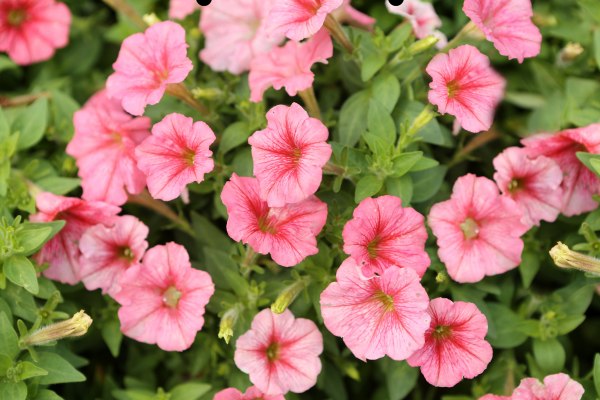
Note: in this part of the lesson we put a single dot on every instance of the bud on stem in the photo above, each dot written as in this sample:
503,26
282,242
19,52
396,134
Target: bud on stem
289,294
228,322
569,259
75,326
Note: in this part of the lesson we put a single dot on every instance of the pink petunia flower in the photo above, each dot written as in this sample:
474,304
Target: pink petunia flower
288,233
177,153
32,30
252,393
236,33
508,25
179,9
422,17
346,14
579,183
147,63
103,145
555,387
107,252
495,397
385,315
478,231
289,66
382,234
280,353
454,344
464,85
289,155
300,19
533,183
62,251
163,298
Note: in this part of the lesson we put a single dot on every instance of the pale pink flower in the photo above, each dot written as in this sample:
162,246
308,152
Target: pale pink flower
252,393
555,387
62,251
289,66
533,183
146,64
579,183
455,345
288,233
382,234
32,30
177,153
179,9
422,17
495,397
478,231
508,25
103,145
163,298
300,19
108,251
289,155
464,85
347,14
280,353
236,33
385,315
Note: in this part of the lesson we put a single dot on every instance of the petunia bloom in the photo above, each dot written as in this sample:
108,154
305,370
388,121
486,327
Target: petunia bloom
508,25
252,393
163,298
300,19
385,315
555,387
280,353
32,30
579,183
108,251
103,145
289,66
382,234
464,85
455,345
289,155
288,233
495,397
62,251
236,33
147,63
478,231
179,9
422,17
346,14
533,183
177,153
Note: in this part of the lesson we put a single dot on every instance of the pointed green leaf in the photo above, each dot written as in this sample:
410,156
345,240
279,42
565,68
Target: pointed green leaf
9,341
189,391
31,124
59,369
20,271
13,390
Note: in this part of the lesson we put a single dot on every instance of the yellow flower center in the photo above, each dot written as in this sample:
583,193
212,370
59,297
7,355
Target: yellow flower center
189,156
273,351
126,253
515,185
16,17
385,299
470,228
441,332
453,88
171,297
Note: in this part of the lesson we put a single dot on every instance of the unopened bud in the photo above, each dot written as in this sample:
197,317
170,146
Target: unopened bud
228,322
207,93
75,326
567,258
151,19
288,295
569,53
422,45
422,119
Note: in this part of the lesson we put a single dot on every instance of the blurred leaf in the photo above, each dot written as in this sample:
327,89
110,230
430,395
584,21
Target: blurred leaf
353,119
209,235
111,333
529,267
20,271
367,186
13,390
30,370
189,391
507,334
59,369
9,341
549,355
233,136
591,8
31,124
400,379
380,123
62,108
405,162
46,394
224,271
6,63
386,89
597,47
597,373
427,183
400,187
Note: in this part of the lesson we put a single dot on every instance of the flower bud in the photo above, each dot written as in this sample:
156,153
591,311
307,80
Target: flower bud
75,326
288,295
567,258
150,19
228,322
422,45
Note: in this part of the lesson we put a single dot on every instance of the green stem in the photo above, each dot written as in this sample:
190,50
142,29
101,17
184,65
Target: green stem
311,103
144,199
466,30
336,30
121,6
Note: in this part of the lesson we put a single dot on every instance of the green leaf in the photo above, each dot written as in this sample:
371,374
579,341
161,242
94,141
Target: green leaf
591,161
225,272
427,183
529,267
405,162
507,334
31,124
20,271
549,355
400,379
46,394
6,63
30,370
398,37
32,236
424,163
597,374
9,341
372,57
62,108
59,369
380,123
209,235
569,323
6,362
353,118
13,390
111,333
59,185
233,136
4,125
189,391
400,187
386,89
20,302
591,8
367,186
597,47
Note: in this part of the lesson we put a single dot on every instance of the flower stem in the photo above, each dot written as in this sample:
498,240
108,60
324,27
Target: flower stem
478,141
180,91
121,6
334,27
22,100
310,101
144,199
465,31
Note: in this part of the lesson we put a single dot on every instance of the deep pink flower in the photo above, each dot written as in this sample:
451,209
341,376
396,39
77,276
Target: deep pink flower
579,183
289,155
454,344
289,66
533,183
382,234
163,298
103,145
280,353
179,9
385,315
146,64
108,251
62,251
288,233
32,30
252,393
464,85
177,153
300,19
422,17
508,25
236,33
478,231
347,14
555,387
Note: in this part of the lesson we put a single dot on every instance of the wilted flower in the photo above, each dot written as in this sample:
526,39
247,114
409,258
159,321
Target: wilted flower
75,326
